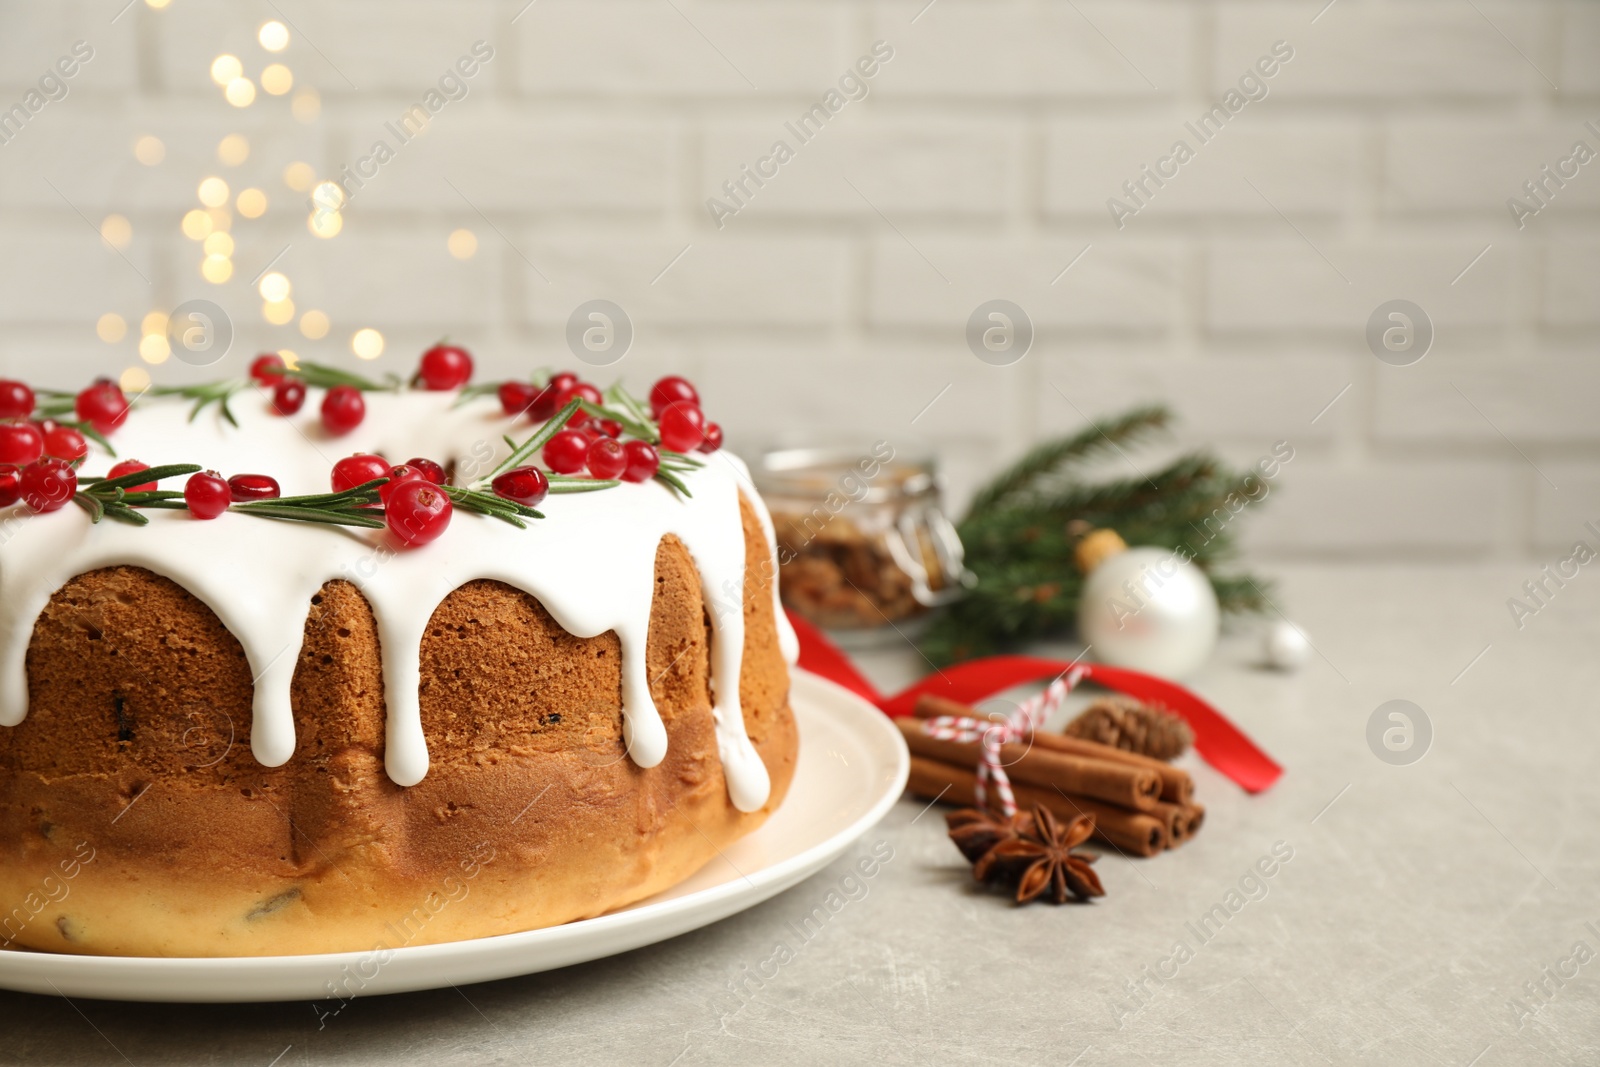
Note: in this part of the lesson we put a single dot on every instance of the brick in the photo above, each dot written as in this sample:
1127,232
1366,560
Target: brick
1289,286
370,277
1572,285
47,32
722,280
1310,163
1119,284
1427,48
1476,165
1098,50
65,274
1561,512
76,355
904,166
643,48
1334,510
1579,49
510,163
1531,401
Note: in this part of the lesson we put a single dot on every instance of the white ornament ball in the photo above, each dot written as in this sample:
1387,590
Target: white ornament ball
1285,646
1149,609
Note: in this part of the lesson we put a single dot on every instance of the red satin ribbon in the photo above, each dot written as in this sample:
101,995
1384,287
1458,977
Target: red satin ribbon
1219,742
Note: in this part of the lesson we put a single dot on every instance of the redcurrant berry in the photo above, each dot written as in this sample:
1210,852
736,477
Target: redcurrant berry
517,397
47,484
16,400
10,485
713,439
343,409
20,443
428,469
418,511
288,396
131,466
566,452
522,485
683,427
358,469
606,458
63,442
207,495
643,461
445,367
671,390
267,369
242,487
102,406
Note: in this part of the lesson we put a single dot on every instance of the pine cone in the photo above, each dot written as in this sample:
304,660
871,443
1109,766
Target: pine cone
1133,727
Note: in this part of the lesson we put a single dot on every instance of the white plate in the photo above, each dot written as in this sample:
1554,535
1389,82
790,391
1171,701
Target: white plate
853,765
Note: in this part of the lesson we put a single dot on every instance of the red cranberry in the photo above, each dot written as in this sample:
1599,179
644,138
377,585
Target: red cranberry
608,427
343,409
288,396
517,397
582,391
103,406
546,406
671,390
566,452
63,442
428,469
683,427
417,511
643,461
445,367
131,466
16,400
207,495
397,475
267,369
47,484
713,439
20,443
358,469
242,487
522,485
10,485
606,458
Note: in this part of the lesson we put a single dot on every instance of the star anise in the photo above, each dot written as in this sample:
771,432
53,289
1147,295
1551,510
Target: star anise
977,834
1046,860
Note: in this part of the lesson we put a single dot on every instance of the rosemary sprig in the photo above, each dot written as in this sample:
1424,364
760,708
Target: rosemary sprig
53,403
496,507
205,394
322,376
110,498
470,393
567,483
645,431
353,507
520,454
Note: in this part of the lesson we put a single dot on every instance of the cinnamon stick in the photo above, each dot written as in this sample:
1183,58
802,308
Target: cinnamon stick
1176,785
1197,815
1176,819
1117,783
1130,831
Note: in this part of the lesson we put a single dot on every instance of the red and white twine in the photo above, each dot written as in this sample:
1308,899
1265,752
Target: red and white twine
993,733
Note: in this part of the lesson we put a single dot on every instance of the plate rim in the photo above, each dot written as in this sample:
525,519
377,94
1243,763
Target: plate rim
28,972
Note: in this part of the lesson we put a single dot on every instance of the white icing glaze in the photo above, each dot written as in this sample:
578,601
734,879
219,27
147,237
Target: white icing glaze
590,562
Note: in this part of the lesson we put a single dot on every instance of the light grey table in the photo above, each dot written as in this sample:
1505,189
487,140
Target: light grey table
1428,914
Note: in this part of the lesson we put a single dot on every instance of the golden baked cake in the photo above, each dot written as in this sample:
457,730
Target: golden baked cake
390,716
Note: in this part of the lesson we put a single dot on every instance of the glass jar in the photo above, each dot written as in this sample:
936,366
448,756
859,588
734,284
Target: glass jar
863,541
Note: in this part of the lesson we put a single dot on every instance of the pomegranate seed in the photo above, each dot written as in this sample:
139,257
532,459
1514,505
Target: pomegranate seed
522,485
288,396
102,406
683,427
20,443
242,487
643,461
417,512
713,439
63,442
671,390
47,484
10,485
517,397
397,475
343,409
267,369
606,458
566,452
445,367
16,400
207,495
131,466
428,469
359,469
608,427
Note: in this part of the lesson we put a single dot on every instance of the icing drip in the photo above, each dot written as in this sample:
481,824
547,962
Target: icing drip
590,562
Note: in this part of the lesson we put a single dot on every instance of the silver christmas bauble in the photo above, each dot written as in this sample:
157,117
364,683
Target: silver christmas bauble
1151,610
1285,646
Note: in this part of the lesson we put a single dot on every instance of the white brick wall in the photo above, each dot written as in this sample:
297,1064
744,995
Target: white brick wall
832,306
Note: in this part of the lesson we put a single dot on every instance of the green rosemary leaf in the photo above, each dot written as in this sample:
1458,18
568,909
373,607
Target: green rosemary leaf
271,509
472,392
88,503
92,434
154,474
123,513
680,457
624,419
581,485
674,481
322,376
365,493
521,453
